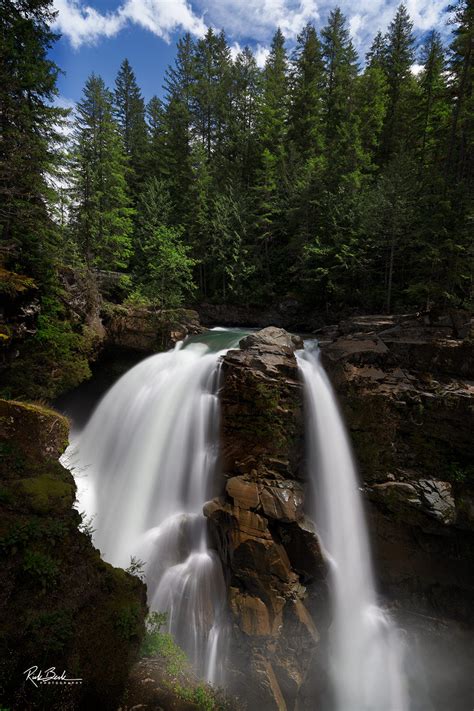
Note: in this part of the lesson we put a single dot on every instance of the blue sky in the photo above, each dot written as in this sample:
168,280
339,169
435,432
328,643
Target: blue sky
98,34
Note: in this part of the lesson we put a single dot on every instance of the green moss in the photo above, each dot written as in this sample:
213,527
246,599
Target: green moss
42,568
13,284
128,621
46,494
51,631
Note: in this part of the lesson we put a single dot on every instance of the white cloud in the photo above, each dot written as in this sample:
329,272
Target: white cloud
83,24
258,19
245,21
261,54
416,69
234,50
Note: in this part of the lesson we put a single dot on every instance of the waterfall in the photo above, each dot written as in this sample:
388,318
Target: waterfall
366,657
145,465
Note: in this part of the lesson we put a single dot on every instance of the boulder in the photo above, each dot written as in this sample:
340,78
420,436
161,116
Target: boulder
147,329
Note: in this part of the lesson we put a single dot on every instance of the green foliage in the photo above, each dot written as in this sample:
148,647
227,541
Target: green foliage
136,567
168,273
42,568
127,622
57,356
101,215
160,643
51,631
315,176
87,525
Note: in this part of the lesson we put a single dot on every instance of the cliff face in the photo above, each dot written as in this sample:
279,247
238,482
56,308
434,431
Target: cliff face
60,605
267,546
407,394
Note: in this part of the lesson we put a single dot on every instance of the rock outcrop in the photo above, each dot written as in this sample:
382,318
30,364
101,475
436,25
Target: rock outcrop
146,329
268,548
406,391
60,605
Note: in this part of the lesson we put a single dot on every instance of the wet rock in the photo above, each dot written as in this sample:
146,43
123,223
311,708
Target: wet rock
269,551
409,405
147,329
60,604
271,338
251,613
243,492
283,503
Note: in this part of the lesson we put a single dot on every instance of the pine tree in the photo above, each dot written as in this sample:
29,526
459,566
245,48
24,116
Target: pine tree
432,105
344,156
243,138
372,104
29,138
130,115
178,132
211,94
377,54
102,215
155,158
461,143
275,97
307,85
271,187
401,83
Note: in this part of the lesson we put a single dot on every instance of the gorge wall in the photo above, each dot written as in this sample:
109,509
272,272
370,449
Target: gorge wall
406,391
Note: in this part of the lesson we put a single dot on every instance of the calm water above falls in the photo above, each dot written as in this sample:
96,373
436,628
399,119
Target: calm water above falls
366,664
145,464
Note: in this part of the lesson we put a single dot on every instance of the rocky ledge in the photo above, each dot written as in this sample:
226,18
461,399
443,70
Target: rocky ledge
267,546
60,605
405,385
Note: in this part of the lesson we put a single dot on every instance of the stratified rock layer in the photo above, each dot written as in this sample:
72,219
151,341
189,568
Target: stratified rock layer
408,398
268,548
60,605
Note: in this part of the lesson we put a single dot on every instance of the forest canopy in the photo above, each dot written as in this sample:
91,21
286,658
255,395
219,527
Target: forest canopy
328,178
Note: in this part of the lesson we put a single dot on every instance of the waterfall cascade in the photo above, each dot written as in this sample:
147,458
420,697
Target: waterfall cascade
365,648
144,465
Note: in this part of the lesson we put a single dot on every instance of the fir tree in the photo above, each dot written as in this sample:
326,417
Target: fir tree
130,115
400,56
343,147
102,215
307,85
29,138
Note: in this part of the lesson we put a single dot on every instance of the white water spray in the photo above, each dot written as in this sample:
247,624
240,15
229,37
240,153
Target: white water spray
145,465
366,652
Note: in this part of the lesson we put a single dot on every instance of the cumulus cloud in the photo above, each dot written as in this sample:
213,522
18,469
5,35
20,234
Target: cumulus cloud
83,24
261,54
245,21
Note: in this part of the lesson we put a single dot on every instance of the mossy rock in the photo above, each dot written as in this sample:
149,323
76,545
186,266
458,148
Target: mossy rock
34,429
46,493
61,605
13,284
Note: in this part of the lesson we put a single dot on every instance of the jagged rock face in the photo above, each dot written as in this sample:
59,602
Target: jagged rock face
267,546
146,329
60,605
405,391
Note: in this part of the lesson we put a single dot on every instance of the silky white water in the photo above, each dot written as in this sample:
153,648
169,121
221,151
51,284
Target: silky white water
366,655
145,464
